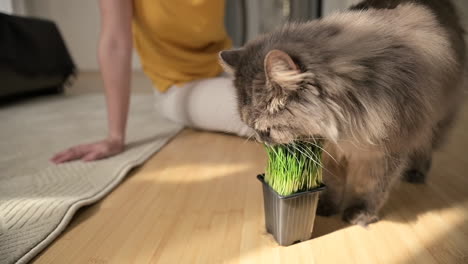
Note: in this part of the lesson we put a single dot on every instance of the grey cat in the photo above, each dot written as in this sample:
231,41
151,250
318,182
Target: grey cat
381,83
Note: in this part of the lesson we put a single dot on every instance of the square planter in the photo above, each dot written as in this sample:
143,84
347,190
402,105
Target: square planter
290,219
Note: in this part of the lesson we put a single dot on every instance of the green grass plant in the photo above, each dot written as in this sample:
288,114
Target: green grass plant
294,167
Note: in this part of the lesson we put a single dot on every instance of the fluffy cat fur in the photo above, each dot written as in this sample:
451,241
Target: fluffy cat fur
380,82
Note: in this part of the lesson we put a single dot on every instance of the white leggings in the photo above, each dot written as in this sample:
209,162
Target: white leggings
207,104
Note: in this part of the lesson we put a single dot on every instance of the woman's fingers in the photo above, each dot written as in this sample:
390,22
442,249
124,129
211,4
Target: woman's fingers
89,152
92,156
69,154
56,157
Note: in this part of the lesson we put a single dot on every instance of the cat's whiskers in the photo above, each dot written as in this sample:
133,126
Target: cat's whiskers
326,152
309,156
294,146
248,139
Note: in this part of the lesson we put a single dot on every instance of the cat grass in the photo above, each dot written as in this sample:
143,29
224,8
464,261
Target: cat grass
294,167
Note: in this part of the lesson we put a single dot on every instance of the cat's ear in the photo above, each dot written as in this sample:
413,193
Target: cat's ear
229,59
281,69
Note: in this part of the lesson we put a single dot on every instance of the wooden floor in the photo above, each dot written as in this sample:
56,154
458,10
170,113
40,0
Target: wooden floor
198,201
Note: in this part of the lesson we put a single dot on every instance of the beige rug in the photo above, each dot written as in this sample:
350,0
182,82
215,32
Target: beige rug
38,199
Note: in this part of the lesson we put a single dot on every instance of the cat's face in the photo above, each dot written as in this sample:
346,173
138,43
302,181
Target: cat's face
276,98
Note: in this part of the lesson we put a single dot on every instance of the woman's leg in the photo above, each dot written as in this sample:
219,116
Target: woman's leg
207,104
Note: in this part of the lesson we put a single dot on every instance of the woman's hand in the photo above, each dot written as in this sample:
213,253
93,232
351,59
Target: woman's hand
89,152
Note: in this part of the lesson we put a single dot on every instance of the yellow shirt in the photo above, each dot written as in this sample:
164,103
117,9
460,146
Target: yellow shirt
178,40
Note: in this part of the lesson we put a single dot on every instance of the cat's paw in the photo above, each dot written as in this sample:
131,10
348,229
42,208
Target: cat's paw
326,207
359,215
414,176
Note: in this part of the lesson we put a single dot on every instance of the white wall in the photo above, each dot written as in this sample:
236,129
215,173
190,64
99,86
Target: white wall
463,11
5,6
79,23
329,6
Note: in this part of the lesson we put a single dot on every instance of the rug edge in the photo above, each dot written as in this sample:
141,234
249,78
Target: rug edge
153,149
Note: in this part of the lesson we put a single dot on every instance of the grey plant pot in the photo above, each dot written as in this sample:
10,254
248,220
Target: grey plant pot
290,219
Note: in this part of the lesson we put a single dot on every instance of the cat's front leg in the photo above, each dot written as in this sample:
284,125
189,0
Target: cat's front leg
334,173
369,184
360,213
